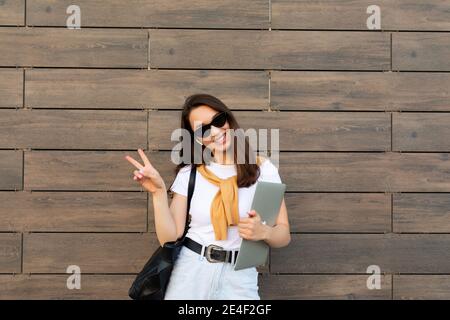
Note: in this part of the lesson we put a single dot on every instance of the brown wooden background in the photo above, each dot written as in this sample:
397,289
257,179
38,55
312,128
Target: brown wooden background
364,118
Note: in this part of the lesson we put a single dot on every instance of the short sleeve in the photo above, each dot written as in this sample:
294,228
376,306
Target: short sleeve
180,184
269,172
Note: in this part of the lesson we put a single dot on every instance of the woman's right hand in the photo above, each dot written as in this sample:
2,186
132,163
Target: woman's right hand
147,175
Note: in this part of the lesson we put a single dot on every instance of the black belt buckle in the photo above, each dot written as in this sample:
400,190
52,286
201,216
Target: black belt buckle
215,247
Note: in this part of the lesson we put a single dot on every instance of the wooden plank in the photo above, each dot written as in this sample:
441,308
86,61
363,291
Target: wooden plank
354,253
324,131
88,170
368,172
306,90
11,88
420,131
322,287
421,212
331,253
124,89
92,252
253,49
349,14
11,169
73,129
12,12
154,13
61,47
312,90
73,211
424,287
54,287
339,212
421,51
297,131
418,91
10,252
308,14
415,15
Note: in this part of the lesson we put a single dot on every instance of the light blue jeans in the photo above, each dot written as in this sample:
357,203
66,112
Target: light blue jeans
194,278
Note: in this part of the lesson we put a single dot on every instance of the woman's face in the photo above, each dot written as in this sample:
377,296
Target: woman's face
219,139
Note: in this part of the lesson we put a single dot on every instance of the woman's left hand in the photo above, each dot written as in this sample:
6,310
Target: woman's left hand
252,228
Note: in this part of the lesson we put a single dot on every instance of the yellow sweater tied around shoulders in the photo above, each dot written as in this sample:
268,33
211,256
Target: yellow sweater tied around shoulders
224,207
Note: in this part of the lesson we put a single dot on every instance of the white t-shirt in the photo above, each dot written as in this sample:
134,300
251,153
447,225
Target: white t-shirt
201,228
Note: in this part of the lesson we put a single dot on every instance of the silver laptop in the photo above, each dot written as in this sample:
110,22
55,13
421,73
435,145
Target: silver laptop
267,202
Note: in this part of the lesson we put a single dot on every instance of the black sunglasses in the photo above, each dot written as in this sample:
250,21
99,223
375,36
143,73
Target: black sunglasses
217,121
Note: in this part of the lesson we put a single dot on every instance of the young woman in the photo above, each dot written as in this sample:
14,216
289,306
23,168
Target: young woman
219,211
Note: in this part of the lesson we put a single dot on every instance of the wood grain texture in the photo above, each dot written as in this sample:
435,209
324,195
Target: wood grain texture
369,172
11,170
12,12
154,13
350,14
73,211
138,89
339,212
415,15
11,88
363,118
331,253
49,47
353,253
322,287
73,129
10,252
421,131
92,252
54,287
421,212
269,50
88,170
309,14
296,130
347,91
421,51
422,287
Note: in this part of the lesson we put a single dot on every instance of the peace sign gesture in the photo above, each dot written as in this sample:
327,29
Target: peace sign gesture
147,175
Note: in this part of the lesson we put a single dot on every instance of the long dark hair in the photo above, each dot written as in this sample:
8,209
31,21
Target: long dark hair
248,172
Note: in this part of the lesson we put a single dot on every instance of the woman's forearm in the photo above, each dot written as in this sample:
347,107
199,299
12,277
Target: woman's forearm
278,236
164,223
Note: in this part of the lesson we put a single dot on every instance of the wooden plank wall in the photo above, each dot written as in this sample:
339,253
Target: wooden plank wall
364,118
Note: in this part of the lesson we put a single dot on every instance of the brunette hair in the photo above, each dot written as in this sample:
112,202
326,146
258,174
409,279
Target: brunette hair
248,172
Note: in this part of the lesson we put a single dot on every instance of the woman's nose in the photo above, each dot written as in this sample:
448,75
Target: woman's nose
215,131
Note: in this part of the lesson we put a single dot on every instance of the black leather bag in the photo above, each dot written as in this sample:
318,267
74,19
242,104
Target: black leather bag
152,281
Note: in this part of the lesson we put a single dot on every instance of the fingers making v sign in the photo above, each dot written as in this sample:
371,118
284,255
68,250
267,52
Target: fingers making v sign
146,174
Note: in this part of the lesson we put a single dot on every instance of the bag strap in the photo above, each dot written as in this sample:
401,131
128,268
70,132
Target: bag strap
189,197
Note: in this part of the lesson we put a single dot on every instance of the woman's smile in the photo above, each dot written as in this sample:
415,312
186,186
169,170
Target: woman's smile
221,138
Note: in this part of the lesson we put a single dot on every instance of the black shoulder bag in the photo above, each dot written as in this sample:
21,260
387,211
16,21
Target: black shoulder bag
152,281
